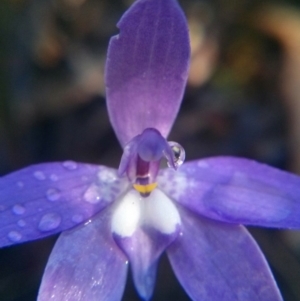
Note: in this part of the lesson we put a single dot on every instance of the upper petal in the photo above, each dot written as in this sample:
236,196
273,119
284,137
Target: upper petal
237,191
218,261
146,68
44,199
85,264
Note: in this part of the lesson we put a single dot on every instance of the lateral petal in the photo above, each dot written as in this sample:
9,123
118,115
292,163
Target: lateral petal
44,199
143,227
85,264
219,261
237,191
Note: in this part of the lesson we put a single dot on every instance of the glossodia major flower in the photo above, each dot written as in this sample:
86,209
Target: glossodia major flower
112,219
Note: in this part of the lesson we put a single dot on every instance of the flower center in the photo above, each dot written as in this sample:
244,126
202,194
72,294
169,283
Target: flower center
132,212
142,157
145,190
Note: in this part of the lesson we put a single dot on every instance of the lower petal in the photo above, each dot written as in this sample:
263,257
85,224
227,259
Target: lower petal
218,261
143,249
85,264
143,227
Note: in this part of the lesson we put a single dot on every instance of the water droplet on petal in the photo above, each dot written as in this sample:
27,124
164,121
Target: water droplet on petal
39,175
53,194
92,195
87,222
14,236
53,177
77,218
203,164
71,165
107,176
21,223
49,221
20,184
178,153
18,209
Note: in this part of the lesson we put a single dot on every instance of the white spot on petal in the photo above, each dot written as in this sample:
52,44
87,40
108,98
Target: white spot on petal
127,214
161,213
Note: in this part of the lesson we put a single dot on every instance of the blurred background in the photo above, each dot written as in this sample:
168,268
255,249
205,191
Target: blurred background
242,99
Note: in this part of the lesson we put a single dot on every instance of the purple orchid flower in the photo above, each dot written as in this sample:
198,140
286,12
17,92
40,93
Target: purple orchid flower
192,211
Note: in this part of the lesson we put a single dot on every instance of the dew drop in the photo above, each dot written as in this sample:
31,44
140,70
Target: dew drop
20,184
21,223
87,222
18,209
39,175
14,236
70,165
77,218
49,221
92,195
107,176
53,177
178,154
53,194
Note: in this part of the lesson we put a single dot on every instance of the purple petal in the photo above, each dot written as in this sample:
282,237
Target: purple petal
218,261
85,264
146,69
143,249
44,199
237,191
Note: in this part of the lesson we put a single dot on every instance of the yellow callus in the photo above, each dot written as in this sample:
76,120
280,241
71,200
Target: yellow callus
145,189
